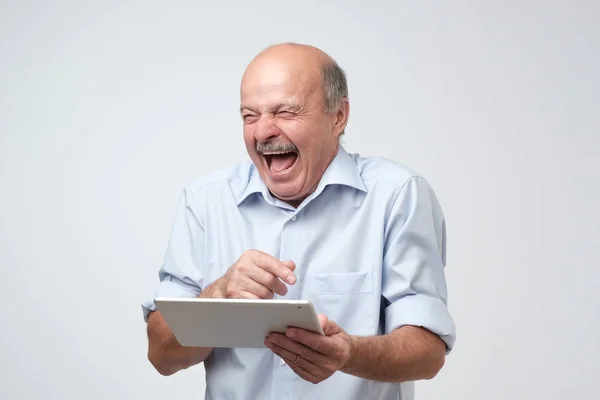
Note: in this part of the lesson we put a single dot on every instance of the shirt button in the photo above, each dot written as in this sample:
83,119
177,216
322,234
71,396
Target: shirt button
281,362
294,218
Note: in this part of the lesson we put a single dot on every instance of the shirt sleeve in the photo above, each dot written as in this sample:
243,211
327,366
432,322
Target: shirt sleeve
414,284
181,272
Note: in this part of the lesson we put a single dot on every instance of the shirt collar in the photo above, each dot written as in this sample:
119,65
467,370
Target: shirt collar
341,171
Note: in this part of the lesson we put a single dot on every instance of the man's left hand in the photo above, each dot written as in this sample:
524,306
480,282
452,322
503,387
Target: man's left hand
312,356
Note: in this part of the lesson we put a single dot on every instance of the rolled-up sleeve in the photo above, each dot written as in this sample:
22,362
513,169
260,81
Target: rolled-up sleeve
181,272
413,281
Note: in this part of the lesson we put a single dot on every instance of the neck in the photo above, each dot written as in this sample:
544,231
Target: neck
296,202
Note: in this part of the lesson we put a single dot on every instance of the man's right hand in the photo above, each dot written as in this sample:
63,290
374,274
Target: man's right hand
257,275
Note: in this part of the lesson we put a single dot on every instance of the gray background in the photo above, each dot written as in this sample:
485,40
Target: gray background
107,109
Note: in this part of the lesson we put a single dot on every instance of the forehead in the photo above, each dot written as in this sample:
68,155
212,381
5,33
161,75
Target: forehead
268,84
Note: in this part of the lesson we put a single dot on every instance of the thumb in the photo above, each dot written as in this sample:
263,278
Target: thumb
329,327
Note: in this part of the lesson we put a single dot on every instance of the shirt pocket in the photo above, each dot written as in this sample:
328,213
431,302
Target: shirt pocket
346,298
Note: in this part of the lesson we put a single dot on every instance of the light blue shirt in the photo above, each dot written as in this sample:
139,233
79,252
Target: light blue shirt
370,250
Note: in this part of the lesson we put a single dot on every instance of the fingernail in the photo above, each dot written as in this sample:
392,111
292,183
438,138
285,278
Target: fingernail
290,333
291,279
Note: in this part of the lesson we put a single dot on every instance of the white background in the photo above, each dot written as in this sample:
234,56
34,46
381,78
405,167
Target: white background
107,109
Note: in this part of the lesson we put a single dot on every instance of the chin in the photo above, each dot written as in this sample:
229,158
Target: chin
283,193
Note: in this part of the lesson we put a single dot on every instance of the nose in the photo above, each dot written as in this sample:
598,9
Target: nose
266,130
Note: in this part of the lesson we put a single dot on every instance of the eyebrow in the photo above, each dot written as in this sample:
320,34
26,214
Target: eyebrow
293,106
243,108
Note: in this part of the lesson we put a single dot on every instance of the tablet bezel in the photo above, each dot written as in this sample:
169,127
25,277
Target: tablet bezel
234,323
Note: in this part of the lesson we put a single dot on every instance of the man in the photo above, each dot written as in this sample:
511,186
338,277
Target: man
362,238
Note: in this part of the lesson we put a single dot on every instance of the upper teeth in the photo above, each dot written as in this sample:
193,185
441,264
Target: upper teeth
271,153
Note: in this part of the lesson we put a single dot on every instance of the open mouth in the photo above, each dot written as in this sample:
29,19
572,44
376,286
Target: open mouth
281,161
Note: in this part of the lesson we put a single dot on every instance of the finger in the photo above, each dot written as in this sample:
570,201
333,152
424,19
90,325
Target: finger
323,320
295,359
245,288
304,368
294,347
248,295
257,290
307,376
319,343
329,326
290,264
268,280
274,266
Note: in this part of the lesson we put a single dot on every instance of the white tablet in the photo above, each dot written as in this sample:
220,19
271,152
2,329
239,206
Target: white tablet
234,323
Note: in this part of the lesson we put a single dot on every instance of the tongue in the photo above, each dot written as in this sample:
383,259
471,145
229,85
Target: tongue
281,162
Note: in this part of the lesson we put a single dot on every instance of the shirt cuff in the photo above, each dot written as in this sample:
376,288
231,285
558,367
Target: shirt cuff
425,311
169,287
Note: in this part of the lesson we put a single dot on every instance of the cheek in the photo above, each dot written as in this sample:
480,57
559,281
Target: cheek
297,132
248,133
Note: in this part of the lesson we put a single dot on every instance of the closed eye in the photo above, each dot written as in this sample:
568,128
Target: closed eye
285,114
249,118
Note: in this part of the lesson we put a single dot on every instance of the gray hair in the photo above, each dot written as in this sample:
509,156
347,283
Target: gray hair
335,86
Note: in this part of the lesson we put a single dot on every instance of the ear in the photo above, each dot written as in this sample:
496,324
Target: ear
341,117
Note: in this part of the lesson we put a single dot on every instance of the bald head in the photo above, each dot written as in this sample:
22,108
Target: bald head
312,65
309,53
